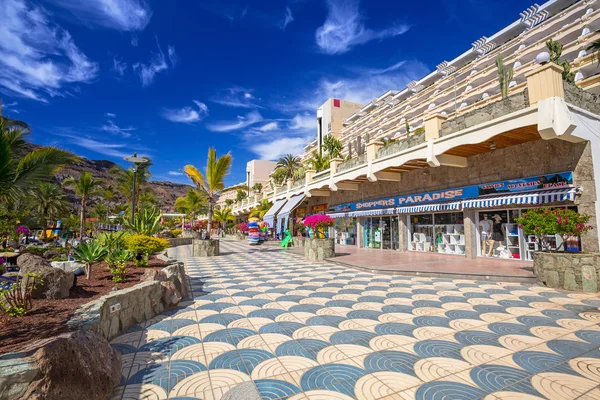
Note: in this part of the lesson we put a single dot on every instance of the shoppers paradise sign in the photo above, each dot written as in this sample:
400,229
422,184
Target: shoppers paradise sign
561,180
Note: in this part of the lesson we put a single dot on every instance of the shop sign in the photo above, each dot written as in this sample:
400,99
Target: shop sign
552,181
301,212
318,208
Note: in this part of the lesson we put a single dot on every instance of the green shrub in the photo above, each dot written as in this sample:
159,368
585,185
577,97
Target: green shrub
147,222
117,264
176,232
113,240
143,245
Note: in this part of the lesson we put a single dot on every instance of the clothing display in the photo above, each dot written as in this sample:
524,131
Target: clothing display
497,233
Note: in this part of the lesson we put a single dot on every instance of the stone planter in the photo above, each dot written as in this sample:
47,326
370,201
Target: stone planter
299,241
569,271
319,249
190,234
205,248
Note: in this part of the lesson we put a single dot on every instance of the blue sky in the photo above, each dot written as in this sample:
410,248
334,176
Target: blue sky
168,79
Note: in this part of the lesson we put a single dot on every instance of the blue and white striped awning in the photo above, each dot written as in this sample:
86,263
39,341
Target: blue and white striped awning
540,197
445,206
379,211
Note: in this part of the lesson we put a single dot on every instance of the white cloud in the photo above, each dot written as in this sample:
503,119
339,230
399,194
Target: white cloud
110,115
237,97
113,128
344,28
112,150
242,122
122,15
119,66
287,18
280,147
157,64
176,173
39,58
271,126
172,55
186,115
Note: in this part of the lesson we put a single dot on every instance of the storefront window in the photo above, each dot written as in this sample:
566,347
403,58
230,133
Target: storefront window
345,231
441,233
372,232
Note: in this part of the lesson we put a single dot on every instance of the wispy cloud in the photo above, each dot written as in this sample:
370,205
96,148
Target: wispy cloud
39,58
122,15
119,66
287,18
176,173
113,128
280,147
110,115
117,150
344,28
292,135
240,123
186,115
172,55
158,63
9,107
238,97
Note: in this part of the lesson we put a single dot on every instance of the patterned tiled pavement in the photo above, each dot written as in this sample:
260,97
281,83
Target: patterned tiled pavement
301,330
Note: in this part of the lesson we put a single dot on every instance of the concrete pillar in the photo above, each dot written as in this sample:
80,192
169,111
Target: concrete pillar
333,164
290,182
309,175
372,148
545,82
403,233
433,125
471,237
359,232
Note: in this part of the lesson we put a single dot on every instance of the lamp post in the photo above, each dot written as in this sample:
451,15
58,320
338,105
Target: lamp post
136,161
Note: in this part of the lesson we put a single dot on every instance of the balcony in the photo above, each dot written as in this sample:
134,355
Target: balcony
352,163
397,146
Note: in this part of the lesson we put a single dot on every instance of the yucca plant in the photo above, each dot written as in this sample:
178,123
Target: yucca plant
89,253
147,222
505,75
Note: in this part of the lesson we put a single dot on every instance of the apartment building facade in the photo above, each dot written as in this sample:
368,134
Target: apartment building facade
448,163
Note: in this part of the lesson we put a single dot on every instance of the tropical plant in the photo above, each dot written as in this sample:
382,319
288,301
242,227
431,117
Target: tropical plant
257,187
555,50
318,161
113,240
333,146
50,203
20,169
84,186
117,264
300,173
223,216
544,221
124,178
16,300
142,246
261,209
289,163
228,202
147,222
505,75
279,176
212,183
192,203
89,253
176,232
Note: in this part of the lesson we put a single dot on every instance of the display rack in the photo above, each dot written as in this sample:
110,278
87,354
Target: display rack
453,240
421,242
513,242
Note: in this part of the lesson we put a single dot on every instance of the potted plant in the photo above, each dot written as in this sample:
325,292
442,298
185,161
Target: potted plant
318,247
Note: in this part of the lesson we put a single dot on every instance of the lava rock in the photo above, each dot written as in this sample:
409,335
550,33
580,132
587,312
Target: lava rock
50,254
56,282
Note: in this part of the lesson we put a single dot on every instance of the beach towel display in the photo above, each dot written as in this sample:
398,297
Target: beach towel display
253,233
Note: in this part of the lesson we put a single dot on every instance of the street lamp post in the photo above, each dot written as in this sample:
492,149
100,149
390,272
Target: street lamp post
136,161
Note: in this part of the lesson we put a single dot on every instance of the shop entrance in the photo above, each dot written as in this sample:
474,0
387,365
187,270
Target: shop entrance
345,231
381,232
440,233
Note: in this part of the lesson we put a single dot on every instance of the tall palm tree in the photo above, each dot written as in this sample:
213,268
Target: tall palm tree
85,186
261,209
212,183
318,161
20,169
192,203
223,216
289,163
124,178
50,203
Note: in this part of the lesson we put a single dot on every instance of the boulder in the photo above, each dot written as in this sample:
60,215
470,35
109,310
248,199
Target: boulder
50,254
149,275
56,282
71,366
171,295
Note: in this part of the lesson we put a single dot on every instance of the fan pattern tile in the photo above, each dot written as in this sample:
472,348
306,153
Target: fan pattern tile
301,330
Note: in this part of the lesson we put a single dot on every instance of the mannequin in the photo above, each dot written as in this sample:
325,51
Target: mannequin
485,227
497,233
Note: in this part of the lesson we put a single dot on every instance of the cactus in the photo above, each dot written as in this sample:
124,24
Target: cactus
505,75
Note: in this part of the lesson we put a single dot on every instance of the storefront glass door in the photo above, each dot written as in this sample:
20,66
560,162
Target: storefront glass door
389,232
345,231
372,232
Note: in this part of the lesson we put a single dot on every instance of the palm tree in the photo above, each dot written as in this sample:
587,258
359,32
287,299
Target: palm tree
85,186
192,203
228,202
109,194
289,163
318,161
223,216
257,187
50,202
240,195
124,179
211,184
21,169
261,209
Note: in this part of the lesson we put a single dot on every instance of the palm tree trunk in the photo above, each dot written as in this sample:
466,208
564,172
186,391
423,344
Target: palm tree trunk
210,218
82,219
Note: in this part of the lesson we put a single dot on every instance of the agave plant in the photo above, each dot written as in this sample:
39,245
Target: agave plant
88,254
147,222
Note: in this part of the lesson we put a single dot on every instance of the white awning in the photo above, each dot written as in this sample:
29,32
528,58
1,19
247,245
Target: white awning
290,206
269,217
540,197
445,206
381,211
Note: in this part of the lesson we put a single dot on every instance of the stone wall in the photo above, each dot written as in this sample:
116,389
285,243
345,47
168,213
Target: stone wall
181,241
319,249
486,113
569,271
205,248
581,98
399,145
528,159
135,304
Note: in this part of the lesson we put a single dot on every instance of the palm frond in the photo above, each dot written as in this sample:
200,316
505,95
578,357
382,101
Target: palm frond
40,165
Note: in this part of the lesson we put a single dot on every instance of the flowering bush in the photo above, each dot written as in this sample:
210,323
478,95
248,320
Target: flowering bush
22,230
318,223
544,221
243,227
